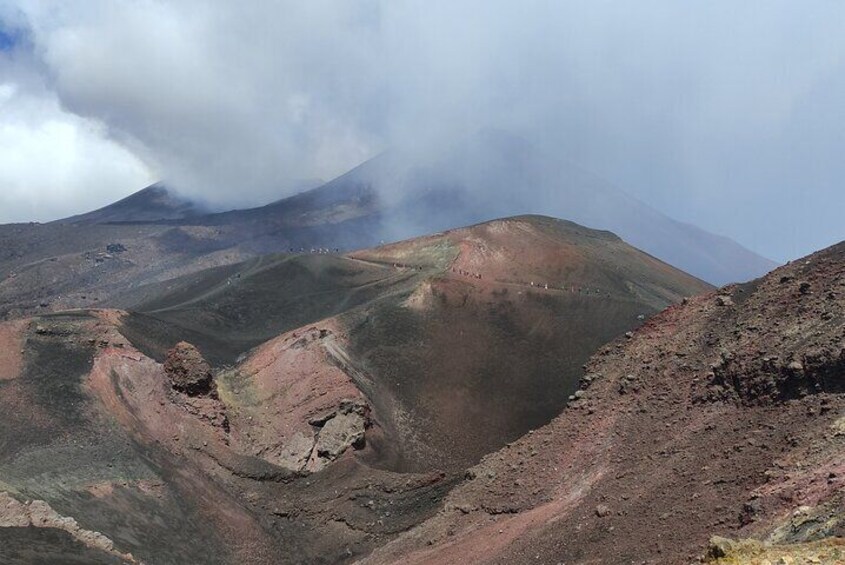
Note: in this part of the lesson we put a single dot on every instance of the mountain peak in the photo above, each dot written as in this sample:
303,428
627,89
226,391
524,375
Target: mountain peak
151,204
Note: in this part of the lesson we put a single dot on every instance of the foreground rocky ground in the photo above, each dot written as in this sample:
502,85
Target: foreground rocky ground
722,416
302,408
754,552
335,422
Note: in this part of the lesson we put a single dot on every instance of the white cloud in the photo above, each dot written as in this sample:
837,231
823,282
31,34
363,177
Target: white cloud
231,102
54,163
717,113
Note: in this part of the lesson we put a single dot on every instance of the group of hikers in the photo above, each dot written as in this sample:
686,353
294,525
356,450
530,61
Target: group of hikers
466,273
574,289
406,266
315,250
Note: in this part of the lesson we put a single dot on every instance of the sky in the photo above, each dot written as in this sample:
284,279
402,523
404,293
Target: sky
725,114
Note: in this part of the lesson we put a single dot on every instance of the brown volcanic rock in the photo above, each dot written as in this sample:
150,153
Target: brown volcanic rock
491,341
344,429
394,369
94,428
291,402
11,348
187,370
546,256
280,392
39,514
460,341
722,416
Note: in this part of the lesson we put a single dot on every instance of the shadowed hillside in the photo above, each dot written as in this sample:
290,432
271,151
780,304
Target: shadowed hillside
720,417
152,204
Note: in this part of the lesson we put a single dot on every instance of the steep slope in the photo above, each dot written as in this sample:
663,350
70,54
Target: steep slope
152,204
153,235
722,416
51,267
343,397
527,299
494,174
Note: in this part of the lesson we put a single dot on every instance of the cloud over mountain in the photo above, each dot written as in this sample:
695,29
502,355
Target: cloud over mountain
725,115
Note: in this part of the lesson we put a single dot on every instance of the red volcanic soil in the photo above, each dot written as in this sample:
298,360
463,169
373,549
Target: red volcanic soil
134,390
131,456
533,252
491,344
11,348
347,397
724,416
287,390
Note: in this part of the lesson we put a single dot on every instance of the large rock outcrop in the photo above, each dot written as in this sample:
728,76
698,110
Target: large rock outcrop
188,371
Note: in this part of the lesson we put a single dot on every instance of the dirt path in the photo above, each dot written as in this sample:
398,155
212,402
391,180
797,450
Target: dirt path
11,345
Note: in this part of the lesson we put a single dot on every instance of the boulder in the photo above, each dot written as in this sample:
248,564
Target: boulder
187,370
344,429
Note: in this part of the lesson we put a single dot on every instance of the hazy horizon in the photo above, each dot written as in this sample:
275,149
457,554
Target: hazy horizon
725,116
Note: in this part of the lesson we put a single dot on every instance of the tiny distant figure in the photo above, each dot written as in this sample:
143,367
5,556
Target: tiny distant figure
547,286
532,283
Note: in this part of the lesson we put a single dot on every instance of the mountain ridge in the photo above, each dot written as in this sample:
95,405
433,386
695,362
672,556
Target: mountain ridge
719,418
344,388
399,194
154,203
